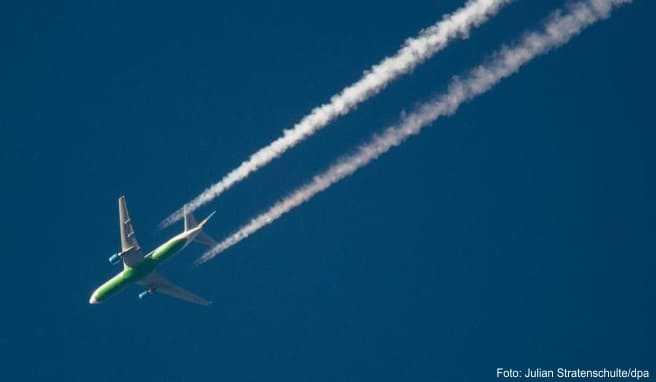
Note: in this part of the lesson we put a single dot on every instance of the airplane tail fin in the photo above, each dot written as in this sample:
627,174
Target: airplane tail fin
191,223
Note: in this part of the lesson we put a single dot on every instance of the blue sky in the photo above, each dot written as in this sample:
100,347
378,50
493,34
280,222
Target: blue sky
517,233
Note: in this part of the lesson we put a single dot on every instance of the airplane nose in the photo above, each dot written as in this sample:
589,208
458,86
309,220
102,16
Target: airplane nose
93,300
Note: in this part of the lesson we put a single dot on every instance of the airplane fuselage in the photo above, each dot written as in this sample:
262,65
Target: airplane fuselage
139,271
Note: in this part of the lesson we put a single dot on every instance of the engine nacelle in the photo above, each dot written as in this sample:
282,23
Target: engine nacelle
145,293
115,259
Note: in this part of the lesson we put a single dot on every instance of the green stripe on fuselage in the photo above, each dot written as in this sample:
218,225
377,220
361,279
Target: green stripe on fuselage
168,249
141,270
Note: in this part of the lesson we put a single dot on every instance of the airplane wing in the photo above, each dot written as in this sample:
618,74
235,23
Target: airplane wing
129,244
159,284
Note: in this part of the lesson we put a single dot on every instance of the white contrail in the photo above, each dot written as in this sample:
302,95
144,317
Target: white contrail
559,28
413,52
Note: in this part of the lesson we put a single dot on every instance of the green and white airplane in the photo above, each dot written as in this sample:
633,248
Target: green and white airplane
141,270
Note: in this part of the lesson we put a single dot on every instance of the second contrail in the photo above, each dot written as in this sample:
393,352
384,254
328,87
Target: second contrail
414,51
559,28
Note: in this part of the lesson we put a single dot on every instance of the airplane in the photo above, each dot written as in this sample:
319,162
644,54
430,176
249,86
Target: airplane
141,270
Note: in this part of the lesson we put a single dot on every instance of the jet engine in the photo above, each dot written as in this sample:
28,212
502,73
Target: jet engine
145,293
115,258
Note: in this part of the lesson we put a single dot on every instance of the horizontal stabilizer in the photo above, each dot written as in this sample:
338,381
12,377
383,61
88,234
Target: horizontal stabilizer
205,239
190,223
